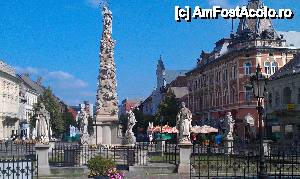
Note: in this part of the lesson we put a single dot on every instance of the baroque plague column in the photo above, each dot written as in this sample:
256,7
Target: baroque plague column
107,123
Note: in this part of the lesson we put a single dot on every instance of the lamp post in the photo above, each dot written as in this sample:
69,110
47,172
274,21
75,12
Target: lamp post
161,126
258,82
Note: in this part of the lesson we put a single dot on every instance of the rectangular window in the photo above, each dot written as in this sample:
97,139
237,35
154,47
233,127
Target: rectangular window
225,75
233,72
248,94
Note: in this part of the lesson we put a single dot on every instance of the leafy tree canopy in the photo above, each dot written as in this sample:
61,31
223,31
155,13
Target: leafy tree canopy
168,110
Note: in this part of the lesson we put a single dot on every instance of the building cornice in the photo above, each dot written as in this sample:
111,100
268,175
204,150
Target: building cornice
237,53
10,77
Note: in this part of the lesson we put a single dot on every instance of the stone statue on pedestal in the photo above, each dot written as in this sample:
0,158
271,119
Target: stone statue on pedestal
83,124
129,135
83,118
42,125
230,125
183,124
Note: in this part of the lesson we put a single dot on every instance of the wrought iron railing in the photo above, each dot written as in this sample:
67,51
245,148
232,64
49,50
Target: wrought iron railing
76,155
156,152
9,148
21,168
242,161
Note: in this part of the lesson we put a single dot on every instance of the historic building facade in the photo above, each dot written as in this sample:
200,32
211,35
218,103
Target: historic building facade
220,83
163,80
283,103
127,105
9,101
28,98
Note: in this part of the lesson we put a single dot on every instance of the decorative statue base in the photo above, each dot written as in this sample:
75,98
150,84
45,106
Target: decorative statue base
107,132
129,137
43,160
85,139
184,157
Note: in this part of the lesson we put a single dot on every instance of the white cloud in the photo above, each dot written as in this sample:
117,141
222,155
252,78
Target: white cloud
30,70
60,75
222,3
66,86
227,3
94,3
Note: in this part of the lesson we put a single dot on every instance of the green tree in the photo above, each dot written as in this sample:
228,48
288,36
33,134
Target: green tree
168,110
123,120
51,103
90,126
52,106
140,124
33,118
68,120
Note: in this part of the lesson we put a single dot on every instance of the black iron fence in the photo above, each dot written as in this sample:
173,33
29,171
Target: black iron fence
172,152
243,161
156,152
76,155
142,153
9,148
20,168
283,161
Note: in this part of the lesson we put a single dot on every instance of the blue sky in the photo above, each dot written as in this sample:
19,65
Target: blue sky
59,40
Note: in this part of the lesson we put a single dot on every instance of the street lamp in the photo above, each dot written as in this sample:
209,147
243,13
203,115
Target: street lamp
161,126
258,82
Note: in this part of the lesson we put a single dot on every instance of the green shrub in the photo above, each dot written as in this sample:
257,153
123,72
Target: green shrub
99,166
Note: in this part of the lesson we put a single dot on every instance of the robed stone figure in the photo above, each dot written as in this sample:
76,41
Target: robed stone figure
183,124
42,125
83,120
129,137
230,126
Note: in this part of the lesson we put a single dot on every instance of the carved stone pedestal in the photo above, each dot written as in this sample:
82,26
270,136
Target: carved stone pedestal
267,147
106,132
185,157
43,161
229,146
85,139
128,139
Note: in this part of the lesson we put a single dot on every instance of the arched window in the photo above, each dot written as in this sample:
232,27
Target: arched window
274,67
247,68
267,68
287,95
